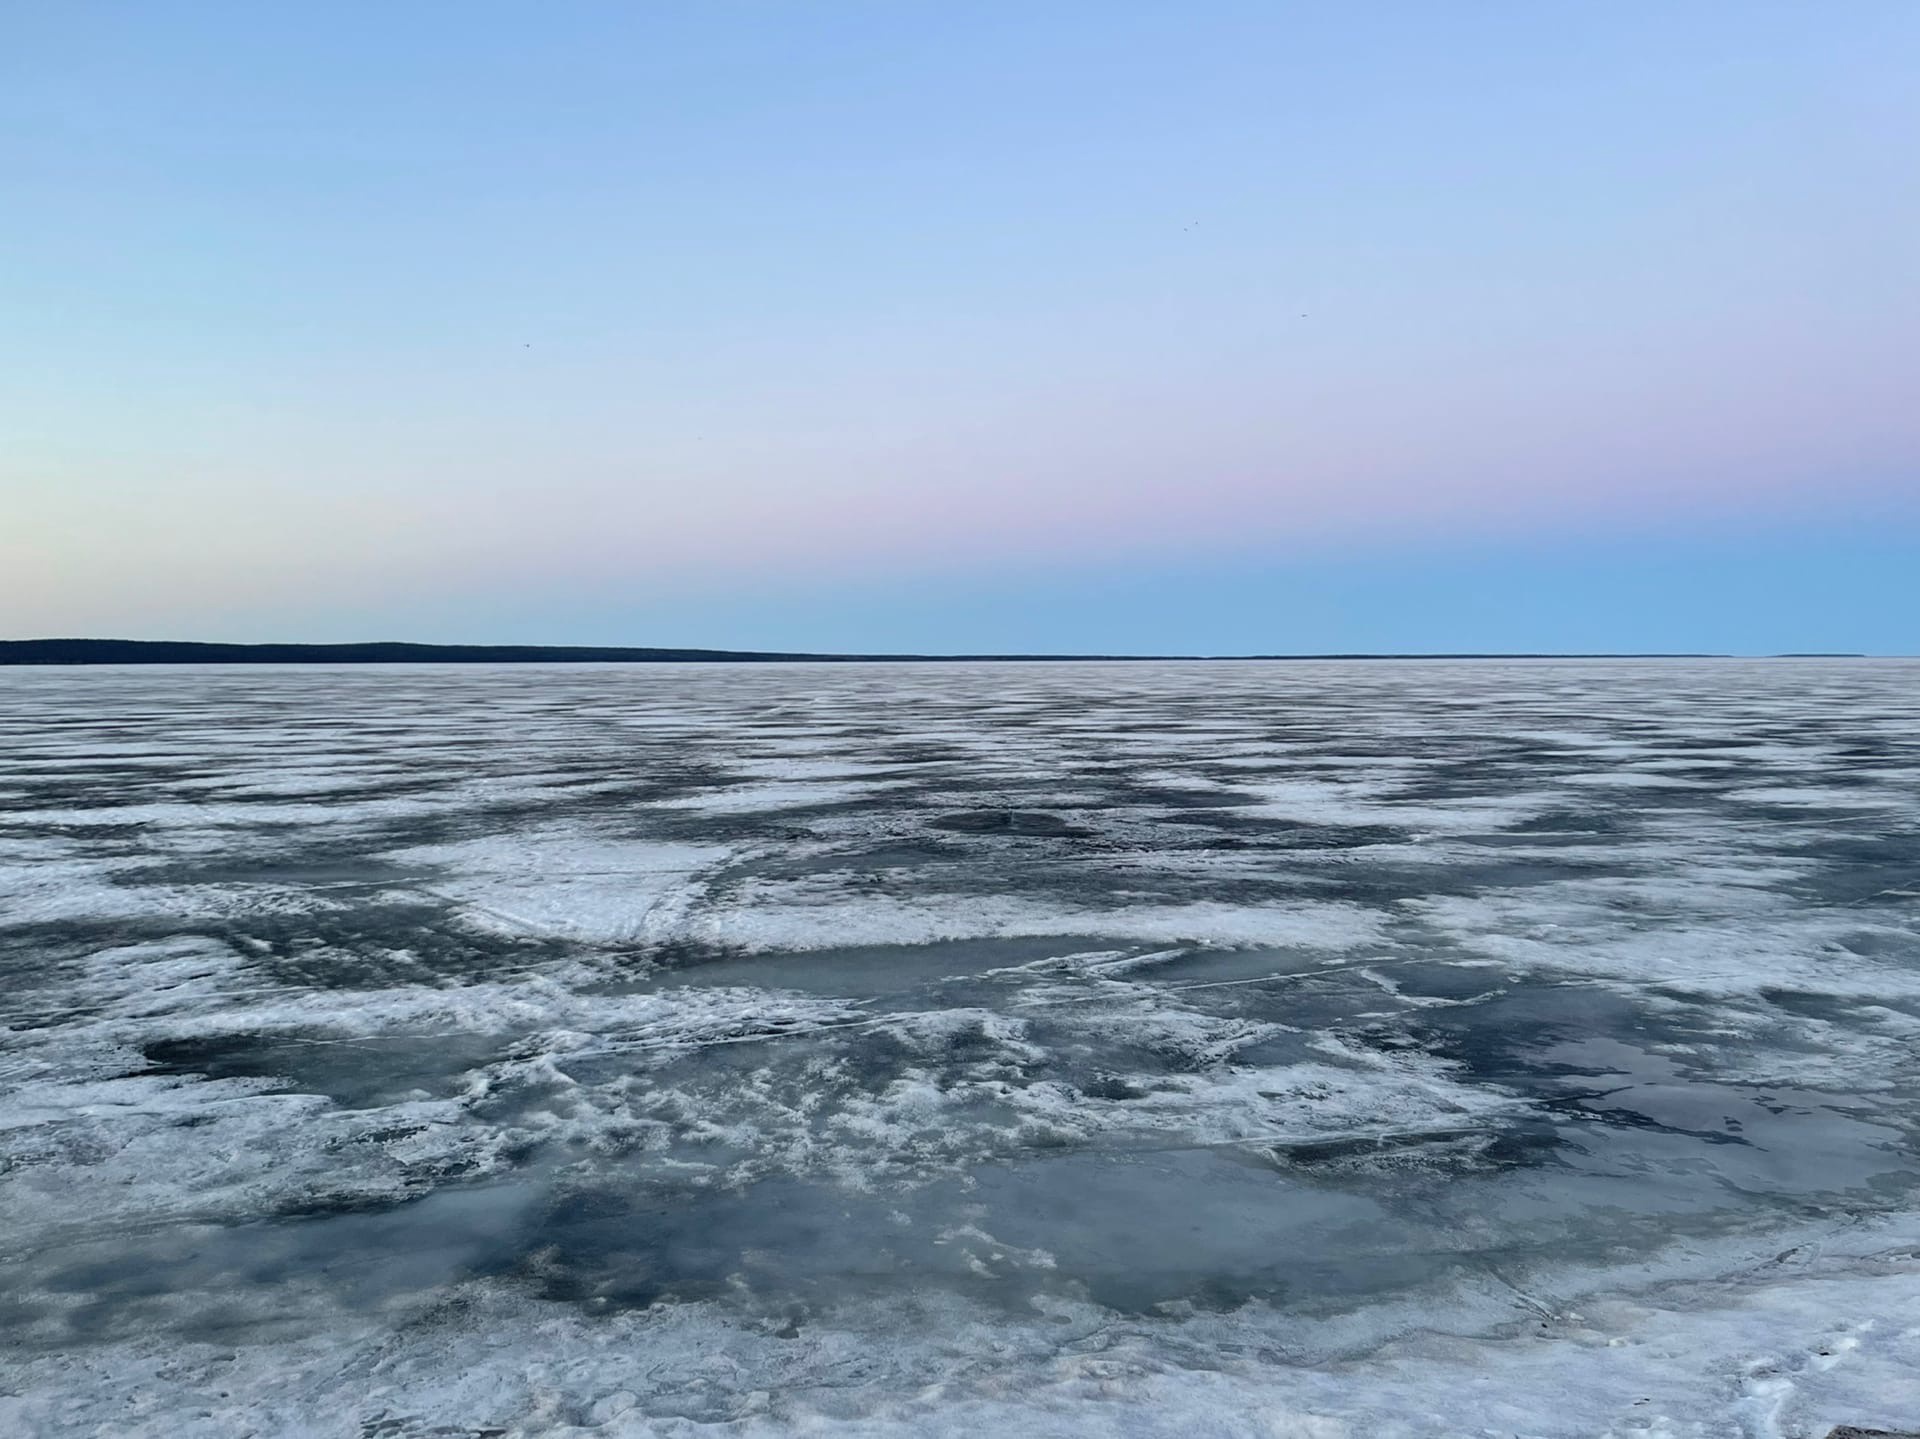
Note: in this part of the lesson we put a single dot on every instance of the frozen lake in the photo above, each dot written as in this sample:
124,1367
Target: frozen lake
1338,1050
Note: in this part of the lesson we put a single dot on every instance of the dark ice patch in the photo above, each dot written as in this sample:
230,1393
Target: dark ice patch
360,1073
1032,823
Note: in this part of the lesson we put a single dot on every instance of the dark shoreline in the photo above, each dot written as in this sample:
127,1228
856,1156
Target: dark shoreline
136,652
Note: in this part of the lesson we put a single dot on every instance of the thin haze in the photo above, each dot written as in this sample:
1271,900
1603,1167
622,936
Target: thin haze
1212,327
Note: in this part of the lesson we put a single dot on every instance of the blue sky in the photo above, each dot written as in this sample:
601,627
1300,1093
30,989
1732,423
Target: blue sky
1129,327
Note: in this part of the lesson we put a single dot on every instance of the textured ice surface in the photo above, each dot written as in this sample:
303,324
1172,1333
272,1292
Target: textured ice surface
1320,1050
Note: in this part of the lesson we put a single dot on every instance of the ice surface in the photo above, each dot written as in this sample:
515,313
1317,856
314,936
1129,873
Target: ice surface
1292,1049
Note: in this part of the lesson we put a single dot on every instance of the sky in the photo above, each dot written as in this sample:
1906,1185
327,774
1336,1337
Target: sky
1212,327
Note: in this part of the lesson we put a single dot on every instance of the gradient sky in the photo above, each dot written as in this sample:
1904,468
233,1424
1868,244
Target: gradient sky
1201,327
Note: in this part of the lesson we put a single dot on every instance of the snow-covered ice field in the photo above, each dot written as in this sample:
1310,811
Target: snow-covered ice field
1335,1050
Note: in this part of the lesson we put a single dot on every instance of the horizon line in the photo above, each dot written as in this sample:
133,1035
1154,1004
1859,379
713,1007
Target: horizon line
82,652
